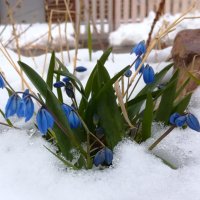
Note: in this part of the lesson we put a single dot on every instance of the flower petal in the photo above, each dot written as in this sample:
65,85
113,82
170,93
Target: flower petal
41,121
99,158
180,121
193,122
148,74
173,117
29,108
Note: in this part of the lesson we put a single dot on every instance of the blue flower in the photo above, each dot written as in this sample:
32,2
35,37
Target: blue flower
13,106
20,111
128,73
139,49
137,64
59,84
28,105
67,109
66,79
99,158
108,156
180,121
80,69
74,120
148,74
193,122
69,90
2,84
104,156
173,117
44,120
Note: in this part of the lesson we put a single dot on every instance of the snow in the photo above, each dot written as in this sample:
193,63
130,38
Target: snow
131,34
29,171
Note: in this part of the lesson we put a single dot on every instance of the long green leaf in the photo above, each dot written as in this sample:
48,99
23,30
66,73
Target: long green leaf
166,105
50,73
147,118
89,42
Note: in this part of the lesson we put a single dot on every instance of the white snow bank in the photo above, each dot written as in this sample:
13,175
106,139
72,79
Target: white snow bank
131,34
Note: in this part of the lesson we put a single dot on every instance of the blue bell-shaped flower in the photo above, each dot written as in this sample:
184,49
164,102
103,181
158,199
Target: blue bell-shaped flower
21,110
192,122
128,73
139,49
66,79
180,121
137,64
67,109
2,84
44,120
12,106
80,69
74,120
173,117
28,105
99,158
59,84
108,156
148,74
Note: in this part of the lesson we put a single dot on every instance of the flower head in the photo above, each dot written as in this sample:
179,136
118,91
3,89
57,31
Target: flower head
148,74
80,69
74,120
13,105
180,121
44,120
128,73
2,84
66,79
59,84
139,49
193,122
173,117
67,109
104,156
137,64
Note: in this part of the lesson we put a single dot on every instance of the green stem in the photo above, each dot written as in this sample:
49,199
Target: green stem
161,138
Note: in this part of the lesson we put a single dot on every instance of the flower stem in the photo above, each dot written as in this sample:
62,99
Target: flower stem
161,138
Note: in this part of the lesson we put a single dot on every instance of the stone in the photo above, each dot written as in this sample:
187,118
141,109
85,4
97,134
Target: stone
186,57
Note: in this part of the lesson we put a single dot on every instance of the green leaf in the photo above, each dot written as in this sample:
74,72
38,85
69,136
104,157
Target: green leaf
182,87
89,42
59,91
88,87
7,120
50,73
166,105
104,105
147,118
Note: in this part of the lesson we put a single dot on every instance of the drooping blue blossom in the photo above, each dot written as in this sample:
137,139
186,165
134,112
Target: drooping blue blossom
128,73
66,79
148,74
2,84
74,120
99,131
69,90
139,49
80,69
99,158
13,105
108,156
67,109
180,121
59,84
192,122
104,156
28,105
173,117
44,120
137,64
20,111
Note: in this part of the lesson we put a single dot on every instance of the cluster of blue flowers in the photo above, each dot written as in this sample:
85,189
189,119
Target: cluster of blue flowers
147,71
188,119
